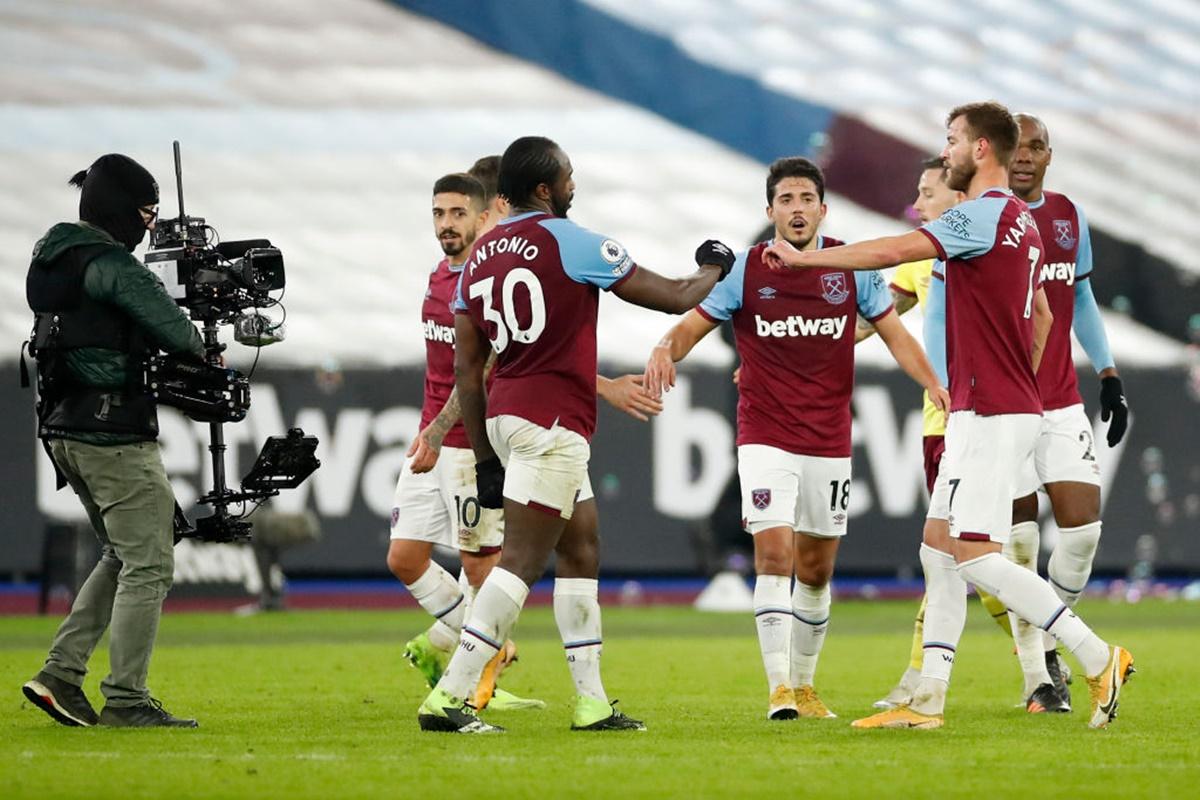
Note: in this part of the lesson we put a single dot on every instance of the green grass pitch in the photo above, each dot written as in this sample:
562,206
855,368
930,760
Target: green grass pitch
320,704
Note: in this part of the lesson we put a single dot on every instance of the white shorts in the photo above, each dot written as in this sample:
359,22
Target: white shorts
1065,451
809,494
980,472
440,506
545,468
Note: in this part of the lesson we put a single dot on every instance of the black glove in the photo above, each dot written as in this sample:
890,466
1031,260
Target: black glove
489,483
717,254
1112,404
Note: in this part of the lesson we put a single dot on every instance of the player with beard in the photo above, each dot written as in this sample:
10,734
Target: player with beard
794,333
1065,454
992,253
531,290
914,284
435,500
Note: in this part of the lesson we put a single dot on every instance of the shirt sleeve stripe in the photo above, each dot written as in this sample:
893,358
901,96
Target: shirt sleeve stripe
901,290
936,243
700,310
622,279
882,314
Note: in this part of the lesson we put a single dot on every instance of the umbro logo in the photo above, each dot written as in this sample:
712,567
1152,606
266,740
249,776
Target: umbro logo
766,293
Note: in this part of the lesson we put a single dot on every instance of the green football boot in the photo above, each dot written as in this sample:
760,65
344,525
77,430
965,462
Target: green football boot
596,715
429,661
507,701
441,713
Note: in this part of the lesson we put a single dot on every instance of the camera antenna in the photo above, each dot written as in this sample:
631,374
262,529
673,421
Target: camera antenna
179,179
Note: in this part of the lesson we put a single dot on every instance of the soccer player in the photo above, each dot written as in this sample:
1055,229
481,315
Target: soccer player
992,252
531,289
795,337
435,500
913,284
1065,452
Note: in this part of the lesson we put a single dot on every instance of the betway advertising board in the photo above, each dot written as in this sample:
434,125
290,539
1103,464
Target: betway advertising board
653,481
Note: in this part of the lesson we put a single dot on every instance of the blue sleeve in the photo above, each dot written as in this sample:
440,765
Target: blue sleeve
588,257
874,299
933,330
458,303
1089,328
1083,255
968,229
726,297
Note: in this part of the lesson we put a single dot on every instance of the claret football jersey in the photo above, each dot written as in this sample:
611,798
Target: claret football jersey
794,331
532,285
437,322
993,257
1066,260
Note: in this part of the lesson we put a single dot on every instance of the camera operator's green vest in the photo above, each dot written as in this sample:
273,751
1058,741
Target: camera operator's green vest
88,352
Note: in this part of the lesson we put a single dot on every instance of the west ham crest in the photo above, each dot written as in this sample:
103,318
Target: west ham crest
1064,234
761,498
833,287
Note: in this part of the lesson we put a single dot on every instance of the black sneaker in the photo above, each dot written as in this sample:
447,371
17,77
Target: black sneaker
1060,676
64,702
616,721
1046,700
149,714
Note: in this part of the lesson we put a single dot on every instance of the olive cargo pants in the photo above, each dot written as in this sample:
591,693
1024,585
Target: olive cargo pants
131,506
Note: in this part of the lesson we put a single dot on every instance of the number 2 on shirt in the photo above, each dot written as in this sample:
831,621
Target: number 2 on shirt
1034,255
508,327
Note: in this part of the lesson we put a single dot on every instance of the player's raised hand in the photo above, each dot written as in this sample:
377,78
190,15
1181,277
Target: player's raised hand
1112,404
781,255
627,394
737,376
713,253
424,454
659,376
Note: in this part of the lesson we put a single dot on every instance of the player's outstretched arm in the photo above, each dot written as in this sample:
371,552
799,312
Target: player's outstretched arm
872,254
648,289
911,358
627,394
1043,318
678,342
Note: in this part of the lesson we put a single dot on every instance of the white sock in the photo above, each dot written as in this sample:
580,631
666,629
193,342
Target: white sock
577,612
773,618
810,622
495,611
945,614
1033,599
438,593
1022,550
1071,564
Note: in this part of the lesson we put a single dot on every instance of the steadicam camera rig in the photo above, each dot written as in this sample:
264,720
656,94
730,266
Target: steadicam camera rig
222,283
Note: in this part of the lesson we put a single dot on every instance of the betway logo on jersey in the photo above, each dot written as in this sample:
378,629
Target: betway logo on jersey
517,245
438,333
797,325
1059,271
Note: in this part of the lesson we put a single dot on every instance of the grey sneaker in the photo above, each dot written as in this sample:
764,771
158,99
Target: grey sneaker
64,702
149,714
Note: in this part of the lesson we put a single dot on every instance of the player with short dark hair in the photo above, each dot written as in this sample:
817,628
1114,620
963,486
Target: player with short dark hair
530,293
1065,453
992,251
795,337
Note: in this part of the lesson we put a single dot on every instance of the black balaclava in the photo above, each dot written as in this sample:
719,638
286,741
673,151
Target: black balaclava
114,188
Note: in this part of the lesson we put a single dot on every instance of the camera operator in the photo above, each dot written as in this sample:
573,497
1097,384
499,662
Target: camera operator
99,312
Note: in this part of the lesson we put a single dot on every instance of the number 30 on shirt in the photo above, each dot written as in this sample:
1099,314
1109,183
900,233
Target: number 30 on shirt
508,326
